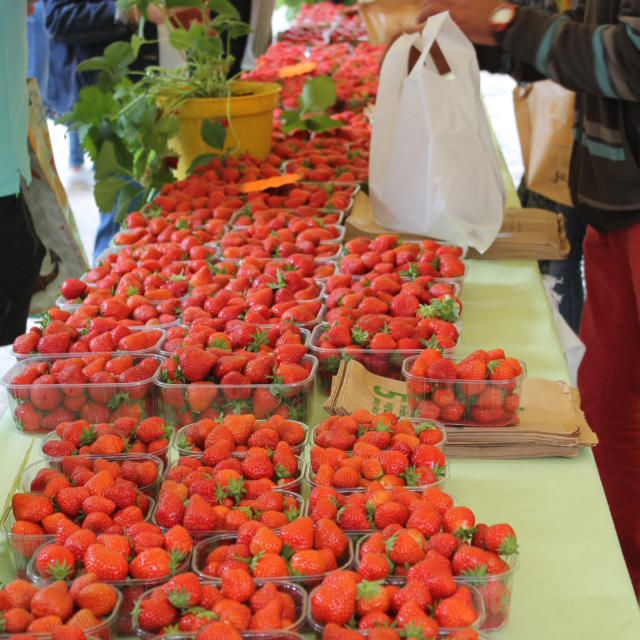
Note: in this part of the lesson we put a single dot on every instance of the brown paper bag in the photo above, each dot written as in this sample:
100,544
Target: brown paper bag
544,115
384,18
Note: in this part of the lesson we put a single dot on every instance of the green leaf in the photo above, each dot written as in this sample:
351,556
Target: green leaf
224,7
93,64
317,94
180,39
136,43
106,191
322,122
204,158
106,164
119,54
126,196
213,133
176,4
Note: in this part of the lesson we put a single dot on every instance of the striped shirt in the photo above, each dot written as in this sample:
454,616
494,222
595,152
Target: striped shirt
593,50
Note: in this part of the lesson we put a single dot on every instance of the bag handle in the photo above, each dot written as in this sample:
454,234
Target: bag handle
440,62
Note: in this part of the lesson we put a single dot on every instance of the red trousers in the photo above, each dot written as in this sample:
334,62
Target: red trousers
609,376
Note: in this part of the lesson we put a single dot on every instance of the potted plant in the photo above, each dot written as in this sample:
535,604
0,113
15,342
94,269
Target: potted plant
215,113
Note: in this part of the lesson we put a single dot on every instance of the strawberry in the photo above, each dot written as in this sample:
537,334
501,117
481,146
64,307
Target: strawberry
71,288
154,612
335,600
105,563
54,599
501,538
55,561
31,507
98,597
457,610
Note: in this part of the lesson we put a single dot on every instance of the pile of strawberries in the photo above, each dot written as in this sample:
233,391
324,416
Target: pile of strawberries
191,605
56,335
234,289
67,613
96,388
482,389
242,433
219,498
125,436
387,254
301,551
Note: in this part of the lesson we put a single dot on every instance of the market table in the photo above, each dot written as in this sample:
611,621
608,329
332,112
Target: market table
572,581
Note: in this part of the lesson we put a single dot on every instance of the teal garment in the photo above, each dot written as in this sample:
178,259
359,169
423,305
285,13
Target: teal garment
14,105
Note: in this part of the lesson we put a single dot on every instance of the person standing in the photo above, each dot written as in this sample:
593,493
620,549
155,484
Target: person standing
594,51
22,251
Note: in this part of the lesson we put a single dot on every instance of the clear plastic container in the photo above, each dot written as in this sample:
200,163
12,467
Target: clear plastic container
291,486
246,635
310,478
298,595
21,547
108,398
235,226
202,535
382,362
181,442
131,589
416,422
495,591
160,453
476,598
170,398
478,403
58,464
305,336
106,630
155,348
205,547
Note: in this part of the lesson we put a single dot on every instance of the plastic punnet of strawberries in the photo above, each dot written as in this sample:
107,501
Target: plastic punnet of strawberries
301,551
442,550
188,604
44,392
88,606
242,432
126,436
481,390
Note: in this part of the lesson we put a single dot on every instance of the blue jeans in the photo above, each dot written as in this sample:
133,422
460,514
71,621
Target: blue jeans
38,49
76,154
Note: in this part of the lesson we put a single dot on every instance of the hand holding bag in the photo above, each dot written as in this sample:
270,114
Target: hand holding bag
433,168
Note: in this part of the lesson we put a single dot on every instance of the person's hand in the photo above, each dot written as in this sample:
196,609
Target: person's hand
31,7
472,16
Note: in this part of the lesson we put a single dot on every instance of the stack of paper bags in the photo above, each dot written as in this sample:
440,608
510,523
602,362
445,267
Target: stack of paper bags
525,233
551,422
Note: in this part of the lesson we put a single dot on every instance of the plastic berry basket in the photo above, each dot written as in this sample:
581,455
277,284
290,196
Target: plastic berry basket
181,442
204,547
110,399
130,588
310,478
298,595
159,453
301,507
416,422
153,349
171,398
291,485
479,403
321,213
246,635
21,547
58,464
106,630
495,591
476,598
382,362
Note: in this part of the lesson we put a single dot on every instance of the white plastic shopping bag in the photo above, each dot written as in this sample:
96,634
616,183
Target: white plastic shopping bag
433,169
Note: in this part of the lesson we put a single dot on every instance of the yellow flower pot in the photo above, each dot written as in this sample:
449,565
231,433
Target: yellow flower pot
249,112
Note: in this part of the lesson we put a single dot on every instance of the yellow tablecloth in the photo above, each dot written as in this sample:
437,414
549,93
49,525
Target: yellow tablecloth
572,581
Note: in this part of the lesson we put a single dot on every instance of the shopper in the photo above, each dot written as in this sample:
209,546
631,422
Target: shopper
22,251
594,51
81,29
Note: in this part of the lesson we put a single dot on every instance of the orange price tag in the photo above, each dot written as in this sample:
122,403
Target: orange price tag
270,183
294,70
